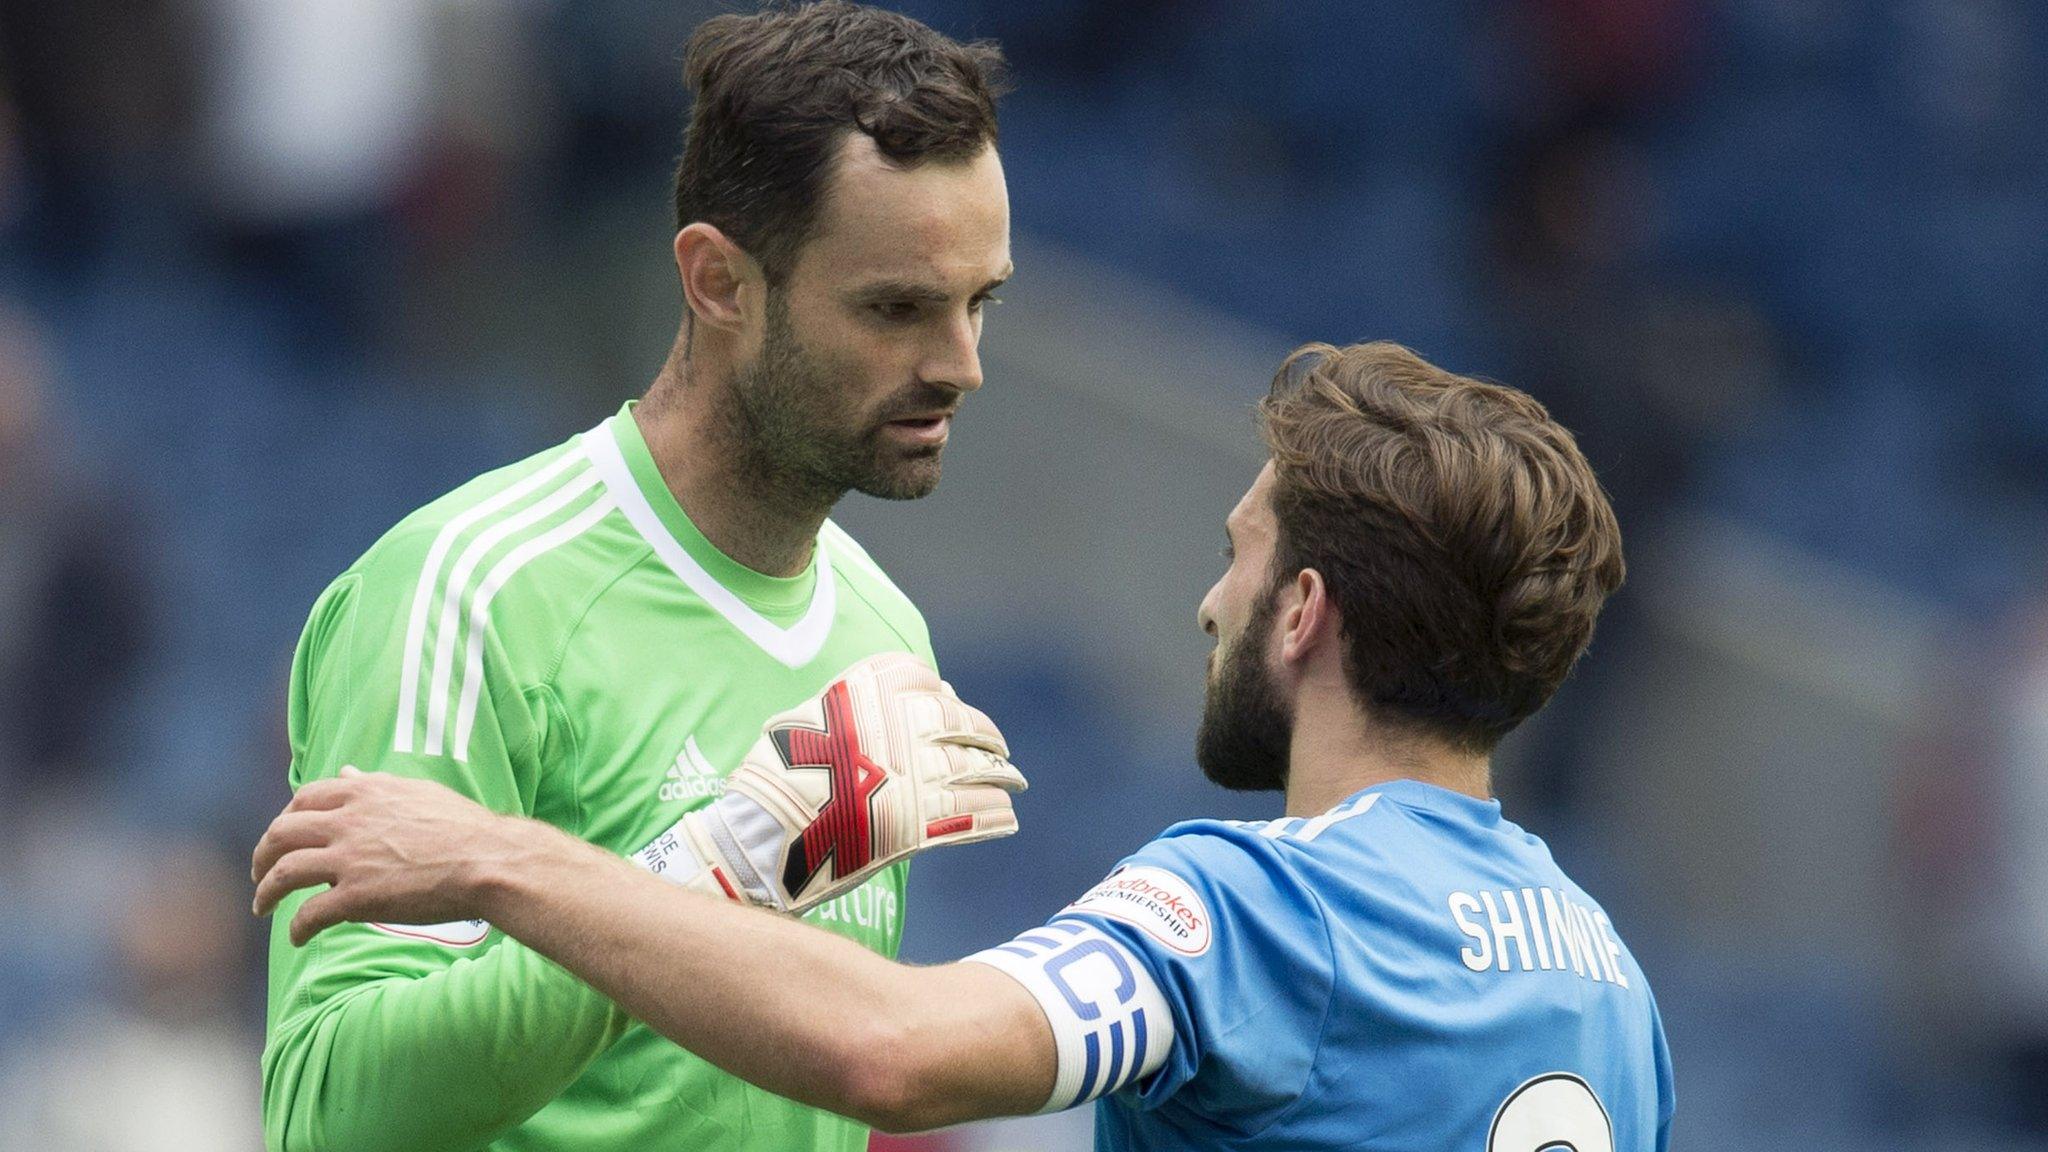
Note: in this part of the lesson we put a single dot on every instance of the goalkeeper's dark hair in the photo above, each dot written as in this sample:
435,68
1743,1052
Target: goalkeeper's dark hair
1460,532
775,92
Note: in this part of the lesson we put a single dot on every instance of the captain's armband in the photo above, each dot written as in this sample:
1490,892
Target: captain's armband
1110,1023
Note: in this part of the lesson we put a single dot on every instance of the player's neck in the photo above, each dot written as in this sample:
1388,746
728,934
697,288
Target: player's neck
1337,750
749,516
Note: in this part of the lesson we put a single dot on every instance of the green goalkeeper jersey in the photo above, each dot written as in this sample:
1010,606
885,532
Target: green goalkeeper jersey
555,639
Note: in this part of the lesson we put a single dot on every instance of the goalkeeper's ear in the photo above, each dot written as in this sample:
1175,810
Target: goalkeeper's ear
722,285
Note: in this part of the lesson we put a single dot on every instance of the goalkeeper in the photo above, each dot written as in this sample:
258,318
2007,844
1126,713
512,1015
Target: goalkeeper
594,636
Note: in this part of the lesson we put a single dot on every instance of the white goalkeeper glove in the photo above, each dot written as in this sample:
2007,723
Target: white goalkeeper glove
884,763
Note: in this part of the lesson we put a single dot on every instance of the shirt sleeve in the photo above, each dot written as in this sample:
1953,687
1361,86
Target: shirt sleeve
420,1037
1199,969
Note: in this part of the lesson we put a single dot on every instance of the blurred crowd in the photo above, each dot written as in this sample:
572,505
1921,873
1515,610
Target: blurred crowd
274,272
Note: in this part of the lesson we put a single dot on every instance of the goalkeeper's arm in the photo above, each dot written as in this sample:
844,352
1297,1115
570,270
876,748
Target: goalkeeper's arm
408,1040
794,1009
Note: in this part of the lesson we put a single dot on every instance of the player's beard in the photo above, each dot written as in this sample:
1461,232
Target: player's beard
1247,725
798,433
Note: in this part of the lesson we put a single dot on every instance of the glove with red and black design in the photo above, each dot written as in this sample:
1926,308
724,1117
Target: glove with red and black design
884,763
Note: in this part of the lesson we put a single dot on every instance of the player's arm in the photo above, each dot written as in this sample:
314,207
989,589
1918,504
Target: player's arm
799,1011
796,1010
434,1038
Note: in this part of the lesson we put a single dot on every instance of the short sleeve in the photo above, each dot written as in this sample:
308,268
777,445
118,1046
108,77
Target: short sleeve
1213,956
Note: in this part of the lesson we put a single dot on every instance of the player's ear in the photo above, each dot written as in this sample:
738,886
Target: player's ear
719,279
1308,618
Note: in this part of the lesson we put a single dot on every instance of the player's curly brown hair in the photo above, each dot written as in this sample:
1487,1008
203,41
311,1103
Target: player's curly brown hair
774,92
1463,537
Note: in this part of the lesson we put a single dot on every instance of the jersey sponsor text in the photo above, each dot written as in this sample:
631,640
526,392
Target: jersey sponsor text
868,906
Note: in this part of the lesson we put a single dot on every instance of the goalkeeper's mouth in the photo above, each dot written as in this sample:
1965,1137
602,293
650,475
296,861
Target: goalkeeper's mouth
931,428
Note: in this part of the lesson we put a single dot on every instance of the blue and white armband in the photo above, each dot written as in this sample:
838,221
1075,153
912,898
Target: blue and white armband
1110,1024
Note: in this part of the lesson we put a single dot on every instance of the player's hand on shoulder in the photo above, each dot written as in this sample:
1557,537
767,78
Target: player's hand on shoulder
392,849
885,762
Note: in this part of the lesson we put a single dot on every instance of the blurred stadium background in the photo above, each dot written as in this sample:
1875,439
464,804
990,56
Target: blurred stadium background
275,272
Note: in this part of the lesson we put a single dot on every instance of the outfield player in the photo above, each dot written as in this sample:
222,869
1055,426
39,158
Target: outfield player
1391,965
594,636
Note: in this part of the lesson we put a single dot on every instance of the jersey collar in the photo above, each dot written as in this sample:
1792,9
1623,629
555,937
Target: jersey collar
1416,794
736,592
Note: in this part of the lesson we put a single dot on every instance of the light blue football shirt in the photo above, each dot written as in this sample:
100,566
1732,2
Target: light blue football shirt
1405,971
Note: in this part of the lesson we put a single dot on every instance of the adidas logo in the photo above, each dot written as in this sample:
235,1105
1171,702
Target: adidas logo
692,777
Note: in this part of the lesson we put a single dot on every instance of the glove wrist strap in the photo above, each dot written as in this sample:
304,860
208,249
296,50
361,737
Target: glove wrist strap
673,857
727,848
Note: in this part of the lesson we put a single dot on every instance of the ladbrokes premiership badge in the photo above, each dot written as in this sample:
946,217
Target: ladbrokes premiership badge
1161,904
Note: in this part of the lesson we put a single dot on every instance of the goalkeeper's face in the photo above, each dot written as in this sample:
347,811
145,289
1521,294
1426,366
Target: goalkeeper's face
1247,718
873,340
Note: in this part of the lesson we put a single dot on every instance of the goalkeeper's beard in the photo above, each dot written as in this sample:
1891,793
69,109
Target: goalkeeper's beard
793,432
1247,725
